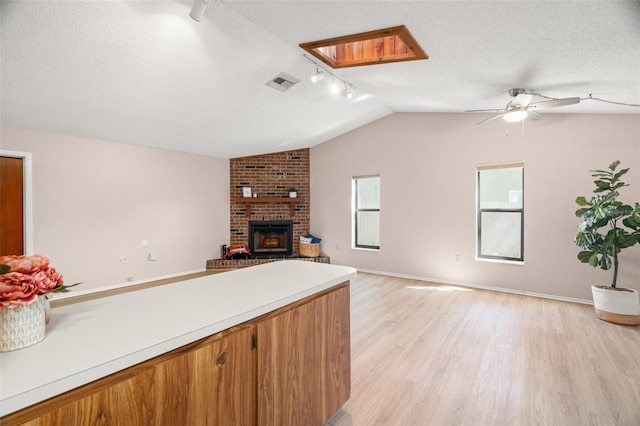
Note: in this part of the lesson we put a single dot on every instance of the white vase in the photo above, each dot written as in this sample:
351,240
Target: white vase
22,325
621,306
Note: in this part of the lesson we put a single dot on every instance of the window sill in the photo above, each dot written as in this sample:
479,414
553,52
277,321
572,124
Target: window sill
508,262
365,249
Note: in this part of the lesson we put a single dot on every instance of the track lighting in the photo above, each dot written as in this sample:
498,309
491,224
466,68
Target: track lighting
319,75
346,92
197,10
335,86
338,85
515,115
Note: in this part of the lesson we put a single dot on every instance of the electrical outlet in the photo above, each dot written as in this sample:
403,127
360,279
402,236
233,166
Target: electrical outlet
122,261
456,257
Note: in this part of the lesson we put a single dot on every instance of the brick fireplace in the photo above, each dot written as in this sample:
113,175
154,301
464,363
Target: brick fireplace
270,176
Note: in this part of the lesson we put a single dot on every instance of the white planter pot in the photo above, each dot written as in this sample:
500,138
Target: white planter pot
293,194
621,306
22,325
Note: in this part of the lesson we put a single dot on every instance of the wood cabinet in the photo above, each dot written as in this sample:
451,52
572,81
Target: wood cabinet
298,374
208,382
304,361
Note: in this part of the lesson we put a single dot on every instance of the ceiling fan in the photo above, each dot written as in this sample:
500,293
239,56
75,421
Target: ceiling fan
520,107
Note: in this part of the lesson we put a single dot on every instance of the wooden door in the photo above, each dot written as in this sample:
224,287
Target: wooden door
11,206
304,361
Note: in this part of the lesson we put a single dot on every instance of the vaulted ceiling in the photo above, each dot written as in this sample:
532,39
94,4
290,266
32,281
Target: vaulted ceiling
145,73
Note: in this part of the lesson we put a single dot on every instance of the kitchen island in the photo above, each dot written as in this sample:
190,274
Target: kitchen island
262,345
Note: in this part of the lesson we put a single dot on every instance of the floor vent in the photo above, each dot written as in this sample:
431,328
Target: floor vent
283,81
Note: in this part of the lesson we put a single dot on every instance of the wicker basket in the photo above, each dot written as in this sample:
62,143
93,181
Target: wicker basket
309,249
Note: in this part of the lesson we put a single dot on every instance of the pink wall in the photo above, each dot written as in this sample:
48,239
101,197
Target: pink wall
427,167
96,201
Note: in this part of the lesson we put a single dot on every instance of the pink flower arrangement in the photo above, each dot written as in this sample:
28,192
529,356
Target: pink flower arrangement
24,278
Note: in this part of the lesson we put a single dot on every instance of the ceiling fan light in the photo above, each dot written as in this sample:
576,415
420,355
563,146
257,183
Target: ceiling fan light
515,115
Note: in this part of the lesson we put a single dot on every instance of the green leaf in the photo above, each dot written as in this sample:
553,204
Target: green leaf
605,262
584,256
620,173
627,241
619,185
602,183
632,222
613,165
582,201
4,269
593,260
582,211
65,288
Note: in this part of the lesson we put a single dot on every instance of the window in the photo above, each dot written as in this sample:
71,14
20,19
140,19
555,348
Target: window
366,218
501,211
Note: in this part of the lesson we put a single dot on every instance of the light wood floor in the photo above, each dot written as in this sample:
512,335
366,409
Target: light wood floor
429,354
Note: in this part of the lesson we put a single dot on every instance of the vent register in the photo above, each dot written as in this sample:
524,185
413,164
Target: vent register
283,81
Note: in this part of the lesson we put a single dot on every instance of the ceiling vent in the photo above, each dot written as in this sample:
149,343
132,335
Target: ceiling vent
283,81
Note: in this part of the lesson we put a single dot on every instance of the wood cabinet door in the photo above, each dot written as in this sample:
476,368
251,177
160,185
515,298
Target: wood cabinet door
208,382
304,361
211,385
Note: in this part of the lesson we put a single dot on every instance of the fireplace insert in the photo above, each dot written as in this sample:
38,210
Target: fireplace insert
271,238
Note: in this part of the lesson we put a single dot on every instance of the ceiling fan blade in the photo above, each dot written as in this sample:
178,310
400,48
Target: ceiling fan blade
554,103
490,118
522,100
485,110
534,116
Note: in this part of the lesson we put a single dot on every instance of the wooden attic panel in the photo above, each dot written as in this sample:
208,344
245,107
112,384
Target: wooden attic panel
374,47
368,50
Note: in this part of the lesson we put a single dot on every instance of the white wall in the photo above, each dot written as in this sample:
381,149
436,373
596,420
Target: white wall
427,166
96,201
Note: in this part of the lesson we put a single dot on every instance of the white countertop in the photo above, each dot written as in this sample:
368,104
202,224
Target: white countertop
90,340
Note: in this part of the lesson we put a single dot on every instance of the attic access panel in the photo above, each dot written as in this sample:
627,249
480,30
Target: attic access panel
395,44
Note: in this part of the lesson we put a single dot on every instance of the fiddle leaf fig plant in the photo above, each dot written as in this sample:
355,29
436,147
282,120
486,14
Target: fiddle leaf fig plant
607,226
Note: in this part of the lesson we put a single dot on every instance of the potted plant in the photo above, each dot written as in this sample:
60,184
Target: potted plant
293,192
608,226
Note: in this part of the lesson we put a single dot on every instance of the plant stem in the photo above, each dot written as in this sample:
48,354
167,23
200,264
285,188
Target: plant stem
615,256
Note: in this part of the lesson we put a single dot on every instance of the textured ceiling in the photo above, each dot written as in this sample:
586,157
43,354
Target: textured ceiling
145,73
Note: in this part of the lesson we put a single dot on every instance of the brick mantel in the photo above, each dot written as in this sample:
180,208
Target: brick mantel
270,176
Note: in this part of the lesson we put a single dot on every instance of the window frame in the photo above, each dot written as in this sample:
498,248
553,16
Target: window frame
480,211
356,210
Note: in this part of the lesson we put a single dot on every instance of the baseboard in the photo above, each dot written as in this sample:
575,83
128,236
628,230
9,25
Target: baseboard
478,286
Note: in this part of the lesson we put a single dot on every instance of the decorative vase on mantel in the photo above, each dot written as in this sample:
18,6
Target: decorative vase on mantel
23,325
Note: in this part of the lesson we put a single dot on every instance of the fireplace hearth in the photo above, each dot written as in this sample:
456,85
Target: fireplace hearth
271,238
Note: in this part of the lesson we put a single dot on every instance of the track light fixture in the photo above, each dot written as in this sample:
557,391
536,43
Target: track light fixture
197,10
338,85
346,92
335,85
319,75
